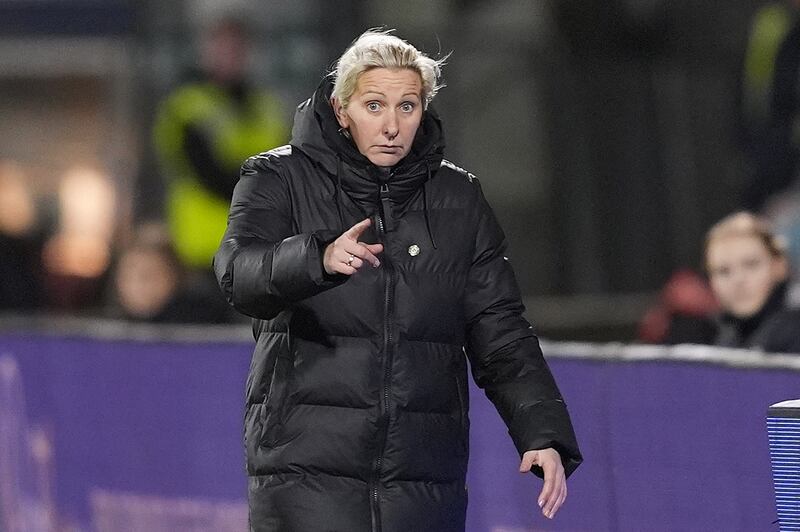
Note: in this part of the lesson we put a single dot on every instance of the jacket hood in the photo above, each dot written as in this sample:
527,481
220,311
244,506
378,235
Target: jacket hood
316,133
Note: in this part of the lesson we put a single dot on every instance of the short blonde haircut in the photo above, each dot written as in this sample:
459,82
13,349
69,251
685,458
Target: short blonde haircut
379,49
746,224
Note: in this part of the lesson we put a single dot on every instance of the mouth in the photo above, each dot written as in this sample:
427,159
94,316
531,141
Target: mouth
389,148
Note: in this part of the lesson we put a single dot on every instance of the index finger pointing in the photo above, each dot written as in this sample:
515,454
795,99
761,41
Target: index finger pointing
355,231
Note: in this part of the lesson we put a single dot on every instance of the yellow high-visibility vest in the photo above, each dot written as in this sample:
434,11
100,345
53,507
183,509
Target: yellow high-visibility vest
196,215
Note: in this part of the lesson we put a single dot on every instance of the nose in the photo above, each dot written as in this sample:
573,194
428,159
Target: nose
738,277
390,126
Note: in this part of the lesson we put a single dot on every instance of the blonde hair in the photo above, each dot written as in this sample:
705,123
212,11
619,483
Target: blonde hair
746,224
379,49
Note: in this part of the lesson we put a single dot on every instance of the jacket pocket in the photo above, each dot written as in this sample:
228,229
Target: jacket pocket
274,406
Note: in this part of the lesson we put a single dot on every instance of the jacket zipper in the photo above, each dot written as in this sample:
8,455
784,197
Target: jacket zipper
386,385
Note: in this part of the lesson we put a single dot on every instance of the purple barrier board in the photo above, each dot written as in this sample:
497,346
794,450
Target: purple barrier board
106,435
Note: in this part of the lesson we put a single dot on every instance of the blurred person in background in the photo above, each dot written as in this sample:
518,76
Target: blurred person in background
771,102
77,254
20,243
684,313
203,131
372,266
749,273
149,285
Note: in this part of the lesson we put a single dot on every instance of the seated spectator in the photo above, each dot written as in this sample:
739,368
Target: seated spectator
150,285
20,243
749,274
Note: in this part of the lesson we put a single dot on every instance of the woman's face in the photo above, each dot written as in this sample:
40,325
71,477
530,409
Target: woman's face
384,113
743,273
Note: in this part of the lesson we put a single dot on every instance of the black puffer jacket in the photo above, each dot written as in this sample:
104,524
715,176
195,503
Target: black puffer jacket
357,406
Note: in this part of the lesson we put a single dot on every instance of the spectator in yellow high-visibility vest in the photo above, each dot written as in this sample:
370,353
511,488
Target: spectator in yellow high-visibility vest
203,132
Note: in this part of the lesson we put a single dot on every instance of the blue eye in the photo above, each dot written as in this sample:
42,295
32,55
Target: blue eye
373,106
407,107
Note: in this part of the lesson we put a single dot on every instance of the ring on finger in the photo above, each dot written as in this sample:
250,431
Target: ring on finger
350,260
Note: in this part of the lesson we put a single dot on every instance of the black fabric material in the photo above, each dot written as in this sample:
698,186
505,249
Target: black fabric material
197,146
775,328
208,169
357,399
21,286
686,329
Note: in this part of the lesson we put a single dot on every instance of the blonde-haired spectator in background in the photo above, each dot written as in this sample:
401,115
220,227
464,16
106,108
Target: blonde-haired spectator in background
749,273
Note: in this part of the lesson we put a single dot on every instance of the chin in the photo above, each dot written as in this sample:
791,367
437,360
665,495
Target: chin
385,160
745,311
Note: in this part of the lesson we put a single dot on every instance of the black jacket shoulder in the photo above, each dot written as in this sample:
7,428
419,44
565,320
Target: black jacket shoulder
273,160
784,332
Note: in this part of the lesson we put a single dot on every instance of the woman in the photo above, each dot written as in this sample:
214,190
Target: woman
372,265
748,270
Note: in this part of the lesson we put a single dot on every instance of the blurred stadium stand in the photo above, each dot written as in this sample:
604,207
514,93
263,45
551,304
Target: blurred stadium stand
603,132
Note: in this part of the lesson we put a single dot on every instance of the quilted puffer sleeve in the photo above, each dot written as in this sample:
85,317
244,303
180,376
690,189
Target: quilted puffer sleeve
261,266
504,352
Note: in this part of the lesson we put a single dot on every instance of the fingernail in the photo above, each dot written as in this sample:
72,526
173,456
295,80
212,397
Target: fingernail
541,503
377,263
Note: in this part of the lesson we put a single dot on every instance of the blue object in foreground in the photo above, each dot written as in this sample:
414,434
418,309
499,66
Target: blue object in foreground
783,426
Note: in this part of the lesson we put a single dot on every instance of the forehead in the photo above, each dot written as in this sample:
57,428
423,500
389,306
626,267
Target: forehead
730,247
389,81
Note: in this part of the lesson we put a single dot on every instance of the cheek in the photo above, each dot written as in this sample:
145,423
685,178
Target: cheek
759,278
360,123
411,126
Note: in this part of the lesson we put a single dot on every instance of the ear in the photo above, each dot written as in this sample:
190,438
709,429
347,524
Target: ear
341,115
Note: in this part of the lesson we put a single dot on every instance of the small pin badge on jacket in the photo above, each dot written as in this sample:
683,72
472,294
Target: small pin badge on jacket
413,250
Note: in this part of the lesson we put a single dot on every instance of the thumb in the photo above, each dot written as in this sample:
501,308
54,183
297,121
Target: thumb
528,459
374,248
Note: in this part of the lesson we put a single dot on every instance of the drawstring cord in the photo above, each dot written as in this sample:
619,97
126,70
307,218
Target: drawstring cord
339,193
425,207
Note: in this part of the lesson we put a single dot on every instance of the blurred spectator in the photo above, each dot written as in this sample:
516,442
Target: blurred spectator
771,101
749,272
150,285
684,313
78,255
20,242
203,132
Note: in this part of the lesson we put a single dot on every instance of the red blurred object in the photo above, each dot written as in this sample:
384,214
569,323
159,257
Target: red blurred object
684,313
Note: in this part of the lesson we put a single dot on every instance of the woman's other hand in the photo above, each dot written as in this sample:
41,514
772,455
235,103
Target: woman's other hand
346,254
554,491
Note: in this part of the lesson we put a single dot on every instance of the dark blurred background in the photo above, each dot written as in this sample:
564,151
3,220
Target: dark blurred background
608,135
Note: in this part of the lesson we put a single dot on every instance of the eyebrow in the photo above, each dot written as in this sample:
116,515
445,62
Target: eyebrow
407,94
